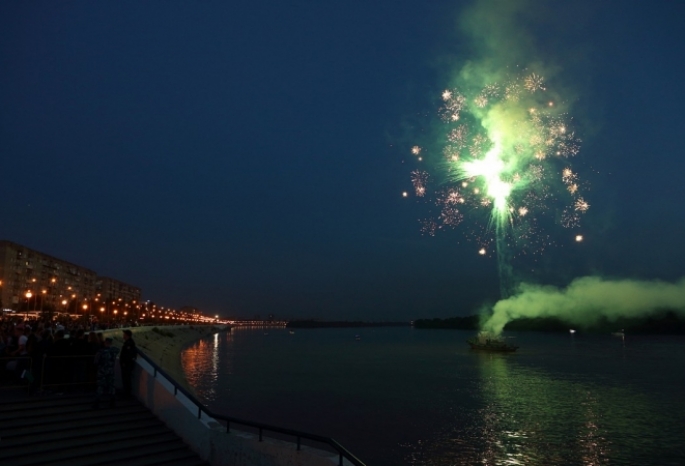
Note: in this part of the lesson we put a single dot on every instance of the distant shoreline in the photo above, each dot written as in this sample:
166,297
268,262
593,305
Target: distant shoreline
659,323
342,324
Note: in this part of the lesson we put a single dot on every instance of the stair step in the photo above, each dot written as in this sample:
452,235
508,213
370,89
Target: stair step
101,447
38,400
78,413
46,412
114,453
104,418
177,458
75,439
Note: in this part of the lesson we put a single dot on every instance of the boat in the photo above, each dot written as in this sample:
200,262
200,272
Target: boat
491,343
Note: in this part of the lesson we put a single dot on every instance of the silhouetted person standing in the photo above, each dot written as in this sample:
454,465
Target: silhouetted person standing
80,350
127,360
104,361
57,365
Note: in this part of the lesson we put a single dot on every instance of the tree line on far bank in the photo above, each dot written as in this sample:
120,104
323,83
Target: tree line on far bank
662,322
341,324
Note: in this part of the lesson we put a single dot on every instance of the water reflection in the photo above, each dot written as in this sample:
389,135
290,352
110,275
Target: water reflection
530,417
504,441
215,357
410,398
201,364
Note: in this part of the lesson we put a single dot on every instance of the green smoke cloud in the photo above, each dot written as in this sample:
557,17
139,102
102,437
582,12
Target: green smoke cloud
499,32
587,300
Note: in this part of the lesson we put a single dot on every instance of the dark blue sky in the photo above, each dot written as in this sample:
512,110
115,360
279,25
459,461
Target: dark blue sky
248,157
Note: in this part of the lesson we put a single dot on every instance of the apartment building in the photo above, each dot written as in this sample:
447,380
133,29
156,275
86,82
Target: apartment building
110,289
35,280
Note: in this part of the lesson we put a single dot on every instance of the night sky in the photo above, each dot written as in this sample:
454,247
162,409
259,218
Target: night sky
249,157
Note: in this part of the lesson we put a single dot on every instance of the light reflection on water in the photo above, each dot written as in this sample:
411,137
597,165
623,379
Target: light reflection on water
525,418
201,362
403,396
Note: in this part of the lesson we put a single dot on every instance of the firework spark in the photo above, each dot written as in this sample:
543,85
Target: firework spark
419,180
450,216
534,83
428,227
567,176
458,136
454,103
450,197
570,218
582,205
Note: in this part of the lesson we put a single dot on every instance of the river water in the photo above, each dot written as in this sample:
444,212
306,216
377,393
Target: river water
401,396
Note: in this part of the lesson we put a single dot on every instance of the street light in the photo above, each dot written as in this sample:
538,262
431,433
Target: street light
28,297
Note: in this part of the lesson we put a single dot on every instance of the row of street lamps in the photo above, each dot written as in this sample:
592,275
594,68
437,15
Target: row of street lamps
143,311
139,311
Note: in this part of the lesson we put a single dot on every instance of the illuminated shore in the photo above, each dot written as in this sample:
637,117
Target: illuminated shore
164,344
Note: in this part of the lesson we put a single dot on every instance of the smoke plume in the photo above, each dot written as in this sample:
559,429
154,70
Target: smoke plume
587,300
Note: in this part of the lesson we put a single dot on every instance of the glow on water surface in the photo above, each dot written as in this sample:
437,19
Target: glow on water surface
401,396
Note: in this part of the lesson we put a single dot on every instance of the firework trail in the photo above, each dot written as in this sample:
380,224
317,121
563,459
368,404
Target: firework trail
505,169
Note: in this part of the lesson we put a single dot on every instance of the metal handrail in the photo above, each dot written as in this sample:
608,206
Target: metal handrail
342,451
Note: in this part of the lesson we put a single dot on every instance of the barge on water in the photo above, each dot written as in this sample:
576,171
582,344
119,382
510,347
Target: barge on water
486,342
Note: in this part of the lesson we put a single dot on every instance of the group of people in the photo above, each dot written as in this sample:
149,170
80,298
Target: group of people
54,358
105,360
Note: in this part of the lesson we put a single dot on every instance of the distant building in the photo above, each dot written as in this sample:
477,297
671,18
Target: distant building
39,281
111,289
190,310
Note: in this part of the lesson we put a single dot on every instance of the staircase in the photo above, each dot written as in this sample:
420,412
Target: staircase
66,430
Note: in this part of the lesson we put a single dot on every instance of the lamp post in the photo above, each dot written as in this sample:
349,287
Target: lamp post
28,297
53,298
42,300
